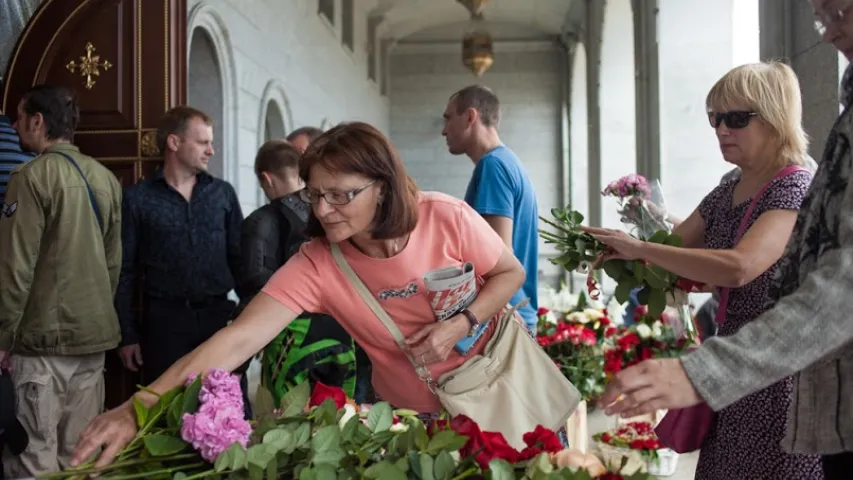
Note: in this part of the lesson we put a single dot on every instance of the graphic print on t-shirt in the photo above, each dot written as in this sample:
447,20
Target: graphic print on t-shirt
405,292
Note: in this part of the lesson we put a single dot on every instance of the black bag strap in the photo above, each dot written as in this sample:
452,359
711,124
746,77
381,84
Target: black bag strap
95,207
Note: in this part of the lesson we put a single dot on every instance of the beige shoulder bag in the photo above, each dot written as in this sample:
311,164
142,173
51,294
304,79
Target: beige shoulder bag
510,388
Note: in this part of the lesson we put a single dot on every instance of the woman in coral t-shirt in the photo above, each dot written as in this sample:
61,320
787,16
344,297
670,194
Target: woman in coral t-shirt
391,234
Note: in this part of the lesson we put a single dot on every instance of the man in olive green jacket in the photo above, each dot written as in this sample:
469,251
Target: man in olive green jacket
60,238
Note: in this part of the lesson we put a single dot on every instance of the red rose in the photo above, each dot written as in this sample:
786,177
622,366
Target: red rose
611,476
543,438
646,353
543,340
542,311
321,392
637,444
628,341
485,446
605,437
605,321
588,337
640,311
610,331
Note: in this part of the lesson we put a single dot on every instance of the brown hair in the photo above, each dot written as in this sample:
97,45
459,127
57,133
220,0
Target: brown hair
481,99
276,155
175,122
360,148
311,132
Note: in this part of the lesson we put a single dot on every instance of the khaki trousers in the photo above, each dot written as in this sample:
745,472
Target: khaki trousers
57,398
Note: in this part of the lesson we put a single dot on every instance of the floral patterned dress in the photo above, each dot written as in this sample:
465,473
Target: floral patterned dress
744,443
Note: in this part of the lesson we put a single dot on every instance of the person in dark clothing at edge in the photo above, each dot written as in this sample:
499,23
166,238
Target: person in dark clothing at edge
11,153
314,347
181,233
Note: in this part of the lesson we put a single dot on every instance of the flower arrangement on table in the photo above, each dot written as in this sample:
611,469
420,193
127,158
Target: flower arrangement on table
197,431
638,437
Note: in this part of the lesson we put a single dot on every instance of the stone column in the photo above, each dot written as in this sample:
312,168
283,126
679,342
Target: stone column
788,34
594,27
647,87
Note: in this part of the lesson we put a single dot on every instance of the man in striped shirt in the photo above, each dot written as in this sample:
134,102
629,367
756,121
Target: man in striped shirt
11,153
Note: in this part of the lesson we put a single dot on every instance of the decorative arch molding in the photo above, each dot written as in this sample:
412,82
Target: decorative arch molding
274,93
205,16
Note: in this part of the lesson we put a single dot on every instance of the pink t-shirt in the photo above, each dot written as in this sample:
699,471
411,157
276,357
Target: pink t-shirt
448,233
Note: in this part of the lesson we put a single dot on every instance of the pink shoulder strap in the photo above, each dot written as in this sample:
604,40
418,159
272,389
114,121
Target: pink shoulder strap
724,292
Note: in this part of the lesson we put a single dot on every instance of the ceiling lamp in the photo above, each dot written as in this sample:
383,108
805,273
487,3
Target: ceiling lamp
475,7
477,52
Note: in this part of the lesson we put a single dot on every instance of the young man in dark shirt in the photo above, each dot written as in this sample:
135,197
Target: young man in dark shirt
314,347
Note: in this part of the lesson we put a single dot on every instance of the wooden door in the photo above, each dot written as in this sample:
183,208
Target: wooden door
126,60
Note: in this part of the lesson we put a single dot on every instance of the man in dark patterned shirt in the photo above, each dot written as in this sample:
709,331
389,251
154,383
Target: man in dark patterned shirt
181,234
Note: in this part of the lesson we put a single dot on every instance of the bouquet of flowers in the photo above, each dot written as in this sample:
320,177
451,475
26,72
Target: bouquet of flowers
580,251
197,431
641,204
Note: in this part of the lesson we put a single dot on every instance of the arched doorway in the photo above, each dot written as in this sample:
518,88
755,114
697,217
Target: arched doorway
206,92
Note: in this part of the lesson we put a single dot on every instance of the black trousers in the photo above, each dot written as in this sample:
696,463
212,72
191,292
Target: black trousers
173,329
838,466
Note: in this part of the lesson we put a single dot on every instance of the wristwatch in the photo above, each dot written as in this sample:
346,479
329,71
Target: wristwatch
472,319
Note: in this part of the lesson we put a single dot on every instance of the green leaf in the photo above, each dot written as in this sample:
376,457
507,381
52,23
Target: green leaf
350,429
261,455
673,240
420,435
327,438
614,269
329,457
427,467
264,405
656,277
179,476
563,259
164,402
639,270
385,470
141,412
296,399
501,470
176,412
380,418
657,302
279,438
575,218
446,440
658,237
325,472
191,396
444,465
302,435
163,445
234,458
623,292
643,295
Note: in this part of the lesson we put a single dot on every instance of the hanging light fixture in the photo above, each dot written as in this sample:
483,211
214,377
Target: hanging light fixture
474,7
477,52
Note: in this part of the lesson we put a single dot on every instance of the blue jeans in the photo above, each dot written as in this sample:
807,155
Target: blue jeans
633,303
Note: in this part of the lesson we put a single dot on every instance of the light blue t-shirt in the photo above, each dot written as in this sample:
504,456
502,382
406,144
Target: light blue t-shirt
500,186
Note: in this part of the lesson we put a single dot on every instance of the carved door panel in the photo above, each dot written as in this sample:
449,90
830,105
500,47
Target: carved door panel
126,60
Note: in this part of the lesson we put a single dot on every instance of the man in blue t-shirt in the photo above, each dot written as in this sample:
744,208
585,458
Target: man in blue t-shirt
500,189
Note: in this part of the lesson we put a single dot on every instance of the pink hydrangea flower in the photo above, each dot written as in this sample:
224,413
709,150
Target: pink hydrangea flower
219,422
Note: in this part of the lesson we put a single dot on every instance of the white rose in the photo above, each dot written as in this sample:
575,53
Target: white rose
577,317
550,317
349,412
399,427
643,330
593,314
657,328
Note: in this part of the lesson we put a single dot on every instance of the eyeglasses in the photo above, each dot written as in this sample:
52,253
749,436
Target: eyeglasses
332,198
734,120
832,13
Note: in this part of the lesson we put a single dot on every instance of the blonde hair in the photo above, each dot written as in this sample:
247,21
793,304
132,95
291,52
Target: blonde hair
772,90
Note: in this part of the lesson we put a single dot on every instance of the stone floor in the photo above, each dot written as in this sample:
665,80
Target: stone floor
598,422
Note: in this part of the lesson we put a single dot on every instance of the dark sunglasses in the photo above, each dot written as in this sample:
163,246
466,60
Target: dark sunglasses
733,120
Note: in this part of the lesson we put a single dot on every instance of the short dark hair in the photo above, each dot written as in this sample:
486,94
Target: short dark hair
58,106
175,122
357,147
313,133
276,155
481,99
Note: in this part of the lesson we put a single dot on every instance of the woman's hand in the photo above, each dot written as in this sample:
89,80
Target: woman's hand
112,430
433,343
649,386
624,246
